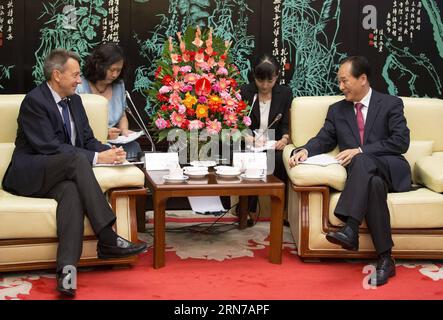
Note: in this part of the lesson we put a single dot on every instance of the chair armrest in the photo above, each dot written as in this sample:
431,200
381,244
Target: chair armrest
333,175
119,177
429,172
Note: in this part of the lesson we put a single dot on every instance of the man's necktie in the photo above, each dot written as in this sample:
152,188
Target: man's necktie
66,119
360,122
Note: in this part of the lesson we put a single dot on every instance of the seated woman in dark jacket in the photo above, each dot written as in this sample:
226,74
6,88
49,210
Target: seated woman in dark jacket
270,103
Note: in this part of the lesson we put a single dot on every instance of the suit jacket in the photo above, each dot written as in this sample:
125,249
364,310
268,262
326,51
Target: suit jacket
281,103
40,134
386,134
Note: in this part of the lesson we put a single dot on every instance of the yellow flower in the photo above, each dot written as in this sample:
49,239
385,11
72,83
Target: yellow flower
214,100
189,100
201,111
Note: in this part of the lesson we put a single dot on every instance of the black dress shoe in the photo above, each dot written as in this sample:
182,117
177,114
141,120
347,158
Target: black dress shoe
385,269
64,281
344,237
122,248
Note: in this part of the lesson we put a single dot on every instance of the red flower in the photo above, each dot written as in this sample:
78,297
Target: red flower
167,80
203,87
241,106
157,72
190,112
162,98
233,83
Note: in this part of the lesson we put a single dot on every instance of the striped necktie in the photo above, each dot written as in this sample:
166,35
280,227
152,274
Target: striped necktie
66,119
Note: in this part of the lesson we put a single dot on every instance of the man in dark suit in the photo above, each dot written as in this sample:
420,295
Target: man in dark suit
371,132
54,150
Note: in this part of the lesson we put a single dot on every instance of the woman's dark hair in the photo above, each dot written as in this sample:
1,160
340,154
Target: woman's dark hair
359,65
101,59
265,68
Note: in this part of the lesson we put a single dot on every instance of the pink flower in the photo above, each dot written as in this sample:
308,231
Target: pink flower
213,127
182,44
230,103
225,95
197,42
195,125
223,83
185,69
175,99
211,62
161,123
222,71
164,89
202,99
191,78
186,88
181,109
177,119
176,86
247,120
175,70
200,57
216,87
230,119
174,58
204,66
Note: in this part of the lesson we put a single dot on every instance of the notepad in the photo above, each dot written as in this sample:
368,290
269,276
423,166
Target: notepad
123,139
320,160
126,163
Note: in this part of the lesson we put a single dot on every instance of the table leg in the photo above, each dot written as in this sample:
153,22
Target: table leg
159,203
243,212
276,233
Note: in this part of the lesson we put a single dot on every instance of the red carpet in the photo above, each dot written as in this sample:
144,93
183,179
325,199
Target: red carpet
245,277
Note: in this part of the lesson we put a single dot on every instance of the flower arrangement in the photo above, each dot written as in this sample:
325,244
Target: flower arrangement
196,87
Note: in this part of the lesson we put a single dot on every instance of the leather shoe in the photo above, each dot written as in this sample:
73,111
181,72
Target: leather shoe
63,280
344,237
385,269
122,248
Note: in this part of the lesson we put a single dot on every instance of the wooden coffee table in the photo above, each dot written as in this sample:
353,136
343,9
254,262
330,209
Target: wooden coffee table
213,185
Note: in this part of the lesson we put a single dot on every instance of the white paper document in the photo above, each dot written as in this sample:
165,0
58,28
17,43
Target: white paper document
321,160
269,145
123,139
206,205
126,163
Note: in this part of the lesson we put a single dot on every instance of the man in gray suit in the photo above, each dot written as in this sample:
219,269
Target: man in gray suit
371,132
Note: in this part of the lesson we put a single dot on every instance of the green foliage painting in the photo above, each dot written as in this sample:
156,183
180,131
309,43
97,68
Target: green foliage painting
228,18
71,25
5,73
402,63
314,52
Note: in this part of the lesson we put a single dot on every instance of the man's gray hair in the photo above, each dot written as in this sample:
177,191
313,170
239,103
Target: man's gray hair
56,60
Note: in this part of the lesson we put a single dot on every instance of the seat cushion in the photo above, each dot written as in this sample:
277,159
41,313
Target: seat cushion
429,172
421,208
25,217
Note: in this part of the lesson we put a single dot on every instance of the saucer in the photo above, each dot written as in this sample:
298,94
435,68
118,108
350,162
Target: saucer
228,174
260,177
198,174
167,178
